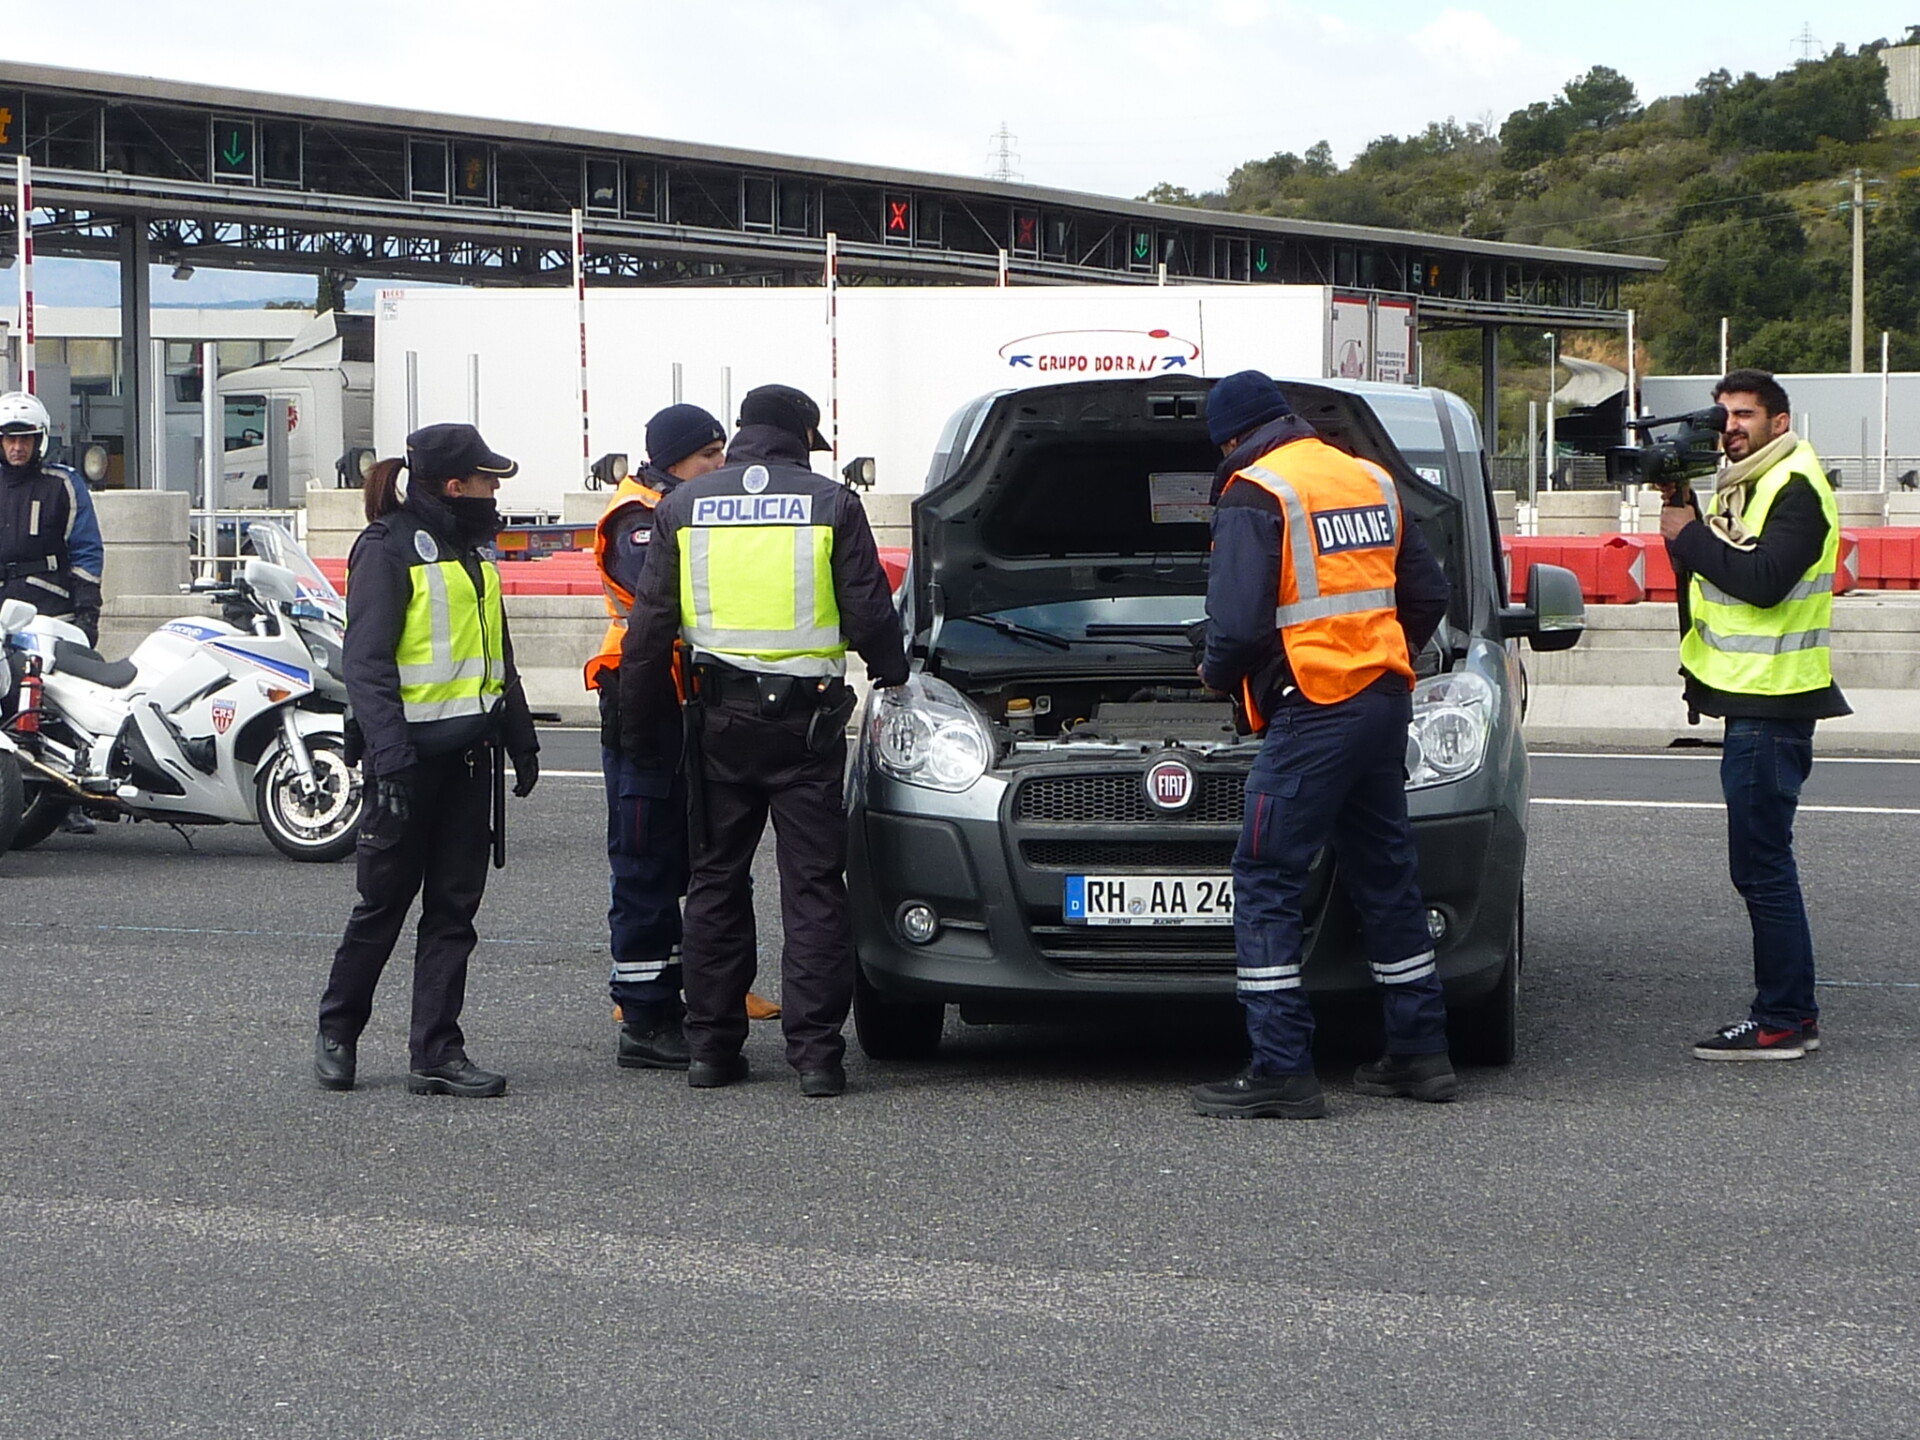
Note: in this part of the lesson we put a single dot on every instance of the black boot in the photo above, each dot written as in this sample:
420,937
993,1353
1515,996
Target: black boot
652,1040
458,1076
1251,1096
333,1062
1416,1077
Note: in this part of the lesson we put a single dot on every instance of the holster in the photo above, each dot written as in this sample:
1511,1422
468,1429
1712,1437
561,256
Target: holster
828,723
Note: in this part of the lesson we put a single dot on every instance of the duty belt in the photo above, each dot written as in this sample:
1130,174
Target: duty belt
744,690
21,569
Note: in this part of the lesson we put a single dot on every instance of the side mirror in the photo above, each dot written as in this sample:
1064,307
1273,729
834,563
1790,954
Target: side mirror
1555,615
15,616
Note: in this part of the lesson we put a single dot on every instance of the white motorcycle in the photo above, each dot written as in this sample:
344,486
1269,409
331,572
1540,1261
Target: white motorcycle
233,721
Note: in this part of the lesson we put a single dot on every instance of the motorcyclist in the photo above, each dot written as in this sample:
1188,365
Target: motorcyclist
50,549
51,555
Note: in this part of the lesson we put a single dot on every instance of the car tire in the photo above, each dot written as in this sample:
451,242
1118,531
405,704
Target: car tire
895,1029
1488,1033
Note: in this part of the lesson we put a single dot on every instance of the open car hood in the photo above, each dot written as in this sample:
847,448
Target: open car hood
1100,488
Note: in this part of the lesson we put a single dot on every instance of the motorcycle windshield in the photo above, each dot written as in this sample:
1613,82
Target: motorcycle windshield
275,544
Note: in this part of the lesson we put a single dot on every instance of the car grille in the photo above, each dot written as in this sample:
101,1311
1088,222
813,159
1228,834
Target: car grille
1128,854
1096,950
1122,799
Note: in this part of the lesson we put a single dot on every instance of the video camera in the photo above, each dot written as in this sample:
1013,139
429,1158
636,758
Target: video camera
1673,461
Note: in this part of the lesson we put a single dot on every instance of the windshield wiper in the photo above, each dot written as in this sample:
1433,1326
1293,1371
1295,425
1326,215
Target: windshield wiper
1017,631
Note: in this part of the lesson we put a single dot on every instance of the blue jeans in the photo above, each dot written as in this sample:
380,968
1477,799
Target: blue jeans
1332,775
1761,771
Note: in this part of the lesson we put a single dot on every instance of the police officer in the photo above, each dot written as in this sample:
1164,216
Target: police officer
646,804
51,554
1758,571
433,694
768,573
1313,628
50,550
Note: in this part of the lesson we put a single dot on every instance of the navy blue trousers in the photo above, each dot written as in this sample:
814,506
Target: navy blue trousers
1332,775
647,855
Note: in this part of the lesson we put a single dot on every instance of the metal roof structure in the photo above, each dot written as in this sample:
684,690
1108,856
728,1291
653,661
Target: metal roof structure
152,171
238,179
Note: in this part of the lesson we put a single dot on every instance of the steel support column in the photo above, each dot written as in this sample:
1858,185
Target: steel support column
144,455
1490,389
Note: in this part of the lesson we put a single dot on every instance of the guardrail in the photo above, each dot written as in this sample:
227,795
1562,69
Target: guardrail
217,539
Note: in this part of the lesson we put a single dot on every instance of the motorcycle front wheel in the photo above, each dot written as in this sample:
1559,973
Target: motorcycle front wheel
316,824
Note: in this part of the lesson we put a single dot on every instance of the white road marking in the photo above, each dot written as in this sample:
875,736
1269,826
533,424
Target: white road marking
1709,753
1721,805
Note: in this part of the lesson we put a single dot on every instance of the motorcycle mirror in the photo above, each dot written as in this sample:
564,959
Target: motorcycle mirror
15,615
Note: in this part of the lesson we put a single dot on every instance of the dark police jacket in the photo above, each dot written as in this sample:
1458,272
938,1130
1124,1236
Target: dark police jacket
378,590
868,621
1244,579
50,550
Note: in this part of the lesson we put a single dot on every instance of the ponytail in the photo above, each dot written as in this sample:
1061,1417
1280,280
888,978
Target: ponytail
383,488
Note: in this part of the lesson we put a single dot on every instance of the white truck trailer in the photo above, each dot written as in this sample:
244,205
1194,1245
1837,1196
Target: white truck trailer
888,364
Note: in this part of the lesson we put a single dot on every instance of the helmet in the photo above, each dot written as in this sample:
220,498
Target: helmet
23,414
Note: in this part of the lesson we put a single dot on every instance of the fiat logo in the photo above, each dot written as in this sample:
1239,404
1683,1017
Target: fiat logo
1170,785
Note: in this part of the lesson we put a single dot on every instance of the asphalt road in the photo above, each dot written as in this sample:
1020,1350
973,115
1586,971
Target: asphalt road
1029,1237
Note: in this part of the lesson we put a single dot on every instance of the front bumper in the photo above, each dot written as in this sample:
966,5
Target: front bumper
996,878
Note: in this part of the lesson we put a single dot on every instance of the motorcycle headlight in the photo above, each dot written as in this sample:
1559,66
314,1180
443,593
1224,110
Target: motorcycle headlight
1448,737
925,733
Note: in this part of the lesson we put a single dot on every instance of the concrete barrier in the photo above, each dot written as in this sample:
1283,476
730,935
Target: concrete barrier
1903,507
583,507
1577,512
335,519
145,532
891,516
1861,509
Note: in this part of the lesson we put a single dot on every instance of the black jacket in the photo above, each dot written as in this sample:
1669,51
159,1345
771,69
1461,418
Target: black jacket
868,620
378,588
50,551
630,539
1790,541
1243,581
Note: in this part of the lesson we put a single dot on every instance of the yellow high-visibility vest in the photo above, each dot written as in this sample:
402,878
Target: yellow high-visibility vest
1784,649
756,584
452,652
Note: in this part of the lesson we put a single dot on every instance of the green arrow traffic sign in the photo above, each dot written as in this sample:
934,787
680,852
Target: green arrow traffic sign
1260,259
236,152
1142,244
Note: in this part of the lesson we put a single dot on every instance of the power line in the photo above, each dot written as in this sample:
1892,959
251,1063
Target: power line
1809,45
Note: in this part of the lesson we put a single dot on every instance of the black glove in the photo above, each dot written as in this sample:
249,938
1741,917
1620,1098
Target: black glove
89,623
390,805
526,773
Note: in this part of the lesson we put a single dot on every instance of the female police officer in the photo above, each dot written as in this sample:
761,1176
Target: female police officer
433,689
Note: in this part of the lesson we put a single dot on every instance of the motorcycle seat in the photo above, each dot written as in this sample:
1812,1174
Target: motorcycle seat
78,660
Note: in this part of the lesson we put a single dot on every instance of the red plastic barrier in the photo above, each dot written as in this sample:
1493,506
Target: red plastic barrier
893,559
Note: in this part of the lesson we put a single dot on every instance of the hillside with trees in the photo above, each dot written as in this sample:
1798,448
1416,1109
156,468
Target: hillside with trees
1744,186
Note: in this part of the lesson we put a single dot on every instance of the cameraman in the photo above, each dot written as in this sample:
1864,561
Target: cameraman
1756,609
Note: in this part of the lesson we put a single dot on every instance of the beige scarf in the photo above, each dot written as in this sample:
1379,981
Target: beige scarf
1734,486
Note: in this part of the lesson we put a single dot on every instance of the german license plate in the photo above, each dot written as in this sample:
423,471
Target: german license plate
1149,900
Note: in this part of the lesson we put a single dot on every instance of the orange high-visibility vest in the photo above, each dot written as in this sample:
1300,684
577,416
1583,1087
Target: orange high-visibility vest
619,598
1335,611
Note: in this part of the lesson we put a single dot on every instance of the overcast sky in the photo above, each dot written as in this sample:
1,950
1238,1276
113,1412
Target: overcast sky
1109,96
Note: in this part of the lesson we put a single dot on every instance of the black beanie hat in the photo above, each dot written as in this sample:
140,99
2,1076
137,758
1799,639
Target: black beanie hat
679,430
1241,404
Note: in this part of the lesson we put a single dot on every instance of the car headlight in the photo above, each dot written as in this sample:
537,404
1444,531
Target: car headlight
1448,737
925,733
